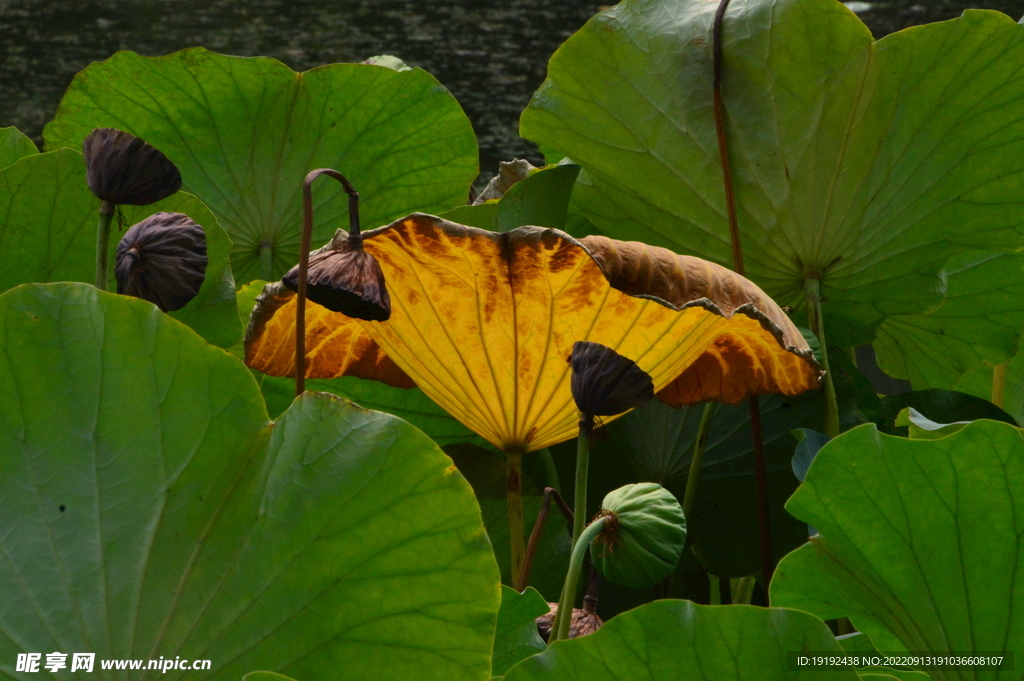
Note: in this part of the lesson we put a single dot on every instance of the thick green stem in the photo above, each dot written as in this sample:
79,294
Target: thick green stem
998,384
699,445
550,472
514,502
563,618
103,244
812,289
582,467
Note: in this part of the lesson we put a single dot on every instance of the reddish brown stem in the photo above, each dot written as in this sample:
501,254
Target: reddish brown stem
538,527
355,242
764,520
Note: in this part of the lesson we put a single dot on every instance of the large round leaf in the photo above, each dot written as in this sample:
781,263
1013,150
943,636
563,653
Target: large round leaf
864,164
48,233
977,325
920,542
679,640
516,636
244,132
148,507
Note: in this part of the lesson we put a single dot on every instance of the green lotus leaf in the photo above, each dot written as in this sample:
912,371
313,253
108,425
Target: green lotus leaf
409,404
48,233
942,406
516,637
977,325
14,146
245,131
673,640
148,507
644,536
861,644
919,541
863,164
266,676
540,199
486,472
922,428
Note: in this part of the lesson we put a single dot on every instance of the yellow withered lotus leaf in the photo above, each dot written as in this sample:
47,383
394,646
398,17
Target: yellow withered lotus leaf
484,322
740,363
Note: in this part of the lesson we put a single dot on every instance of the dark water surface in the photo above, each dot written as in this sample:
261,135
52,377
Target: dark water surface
491,55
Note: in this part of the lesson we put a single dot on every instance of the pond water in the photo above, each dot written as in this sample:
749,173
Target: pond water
491,55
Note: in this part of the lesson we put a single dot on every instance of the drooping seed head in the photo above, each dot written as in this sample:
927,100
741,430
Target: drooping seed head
123,169
163,260
346,281
604,383
584,620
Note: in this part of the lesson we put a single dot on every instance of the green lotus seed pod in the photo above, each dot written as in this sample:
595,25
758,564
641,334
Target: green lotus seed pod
644,535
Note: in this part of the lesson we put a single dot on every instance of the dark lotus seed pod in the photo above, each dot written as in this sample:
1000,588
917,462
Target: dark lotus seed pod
122,169
584,620
163,260
349,282
604,383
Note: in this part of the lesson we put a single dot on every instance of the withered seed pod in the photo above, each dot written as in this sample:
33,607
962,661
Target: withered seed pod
584,620
350,282
163,260
123,169
604,383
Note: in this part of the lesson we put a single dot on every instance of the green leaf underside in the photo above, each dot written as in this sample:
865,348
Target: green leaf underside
148,507
978,382
669,640
919,540
541,199
409,404
516,637
48,233
978,325
245,131
867,163
14,146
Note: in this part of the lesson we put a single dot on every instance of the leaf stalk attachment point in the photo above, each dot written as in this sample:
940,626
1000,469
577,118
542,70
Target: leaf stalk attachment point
812,287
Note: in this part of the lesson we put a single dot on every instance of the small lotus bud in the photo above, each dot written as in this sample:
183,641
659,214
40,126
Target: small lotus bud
604,383
346,281
163,260
584,620
122,169
644,535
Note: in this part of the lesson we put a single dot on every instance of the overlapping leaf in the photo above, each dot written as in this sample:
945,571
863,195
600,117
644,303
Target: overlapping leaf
14,146
148,508
484,322
864,164
244,132
669,640
978,324
919,541
516,637
48,233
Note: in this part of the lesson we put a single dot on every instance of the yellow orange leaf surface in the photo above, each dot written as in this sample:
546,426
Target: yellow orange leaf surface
484,324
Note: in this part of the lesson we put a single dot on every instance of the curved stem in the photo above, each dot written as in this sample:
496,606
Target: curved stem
103,245
548,462
514,503
538,529
812,291
307,236
582,468
563,618
698,457
998,384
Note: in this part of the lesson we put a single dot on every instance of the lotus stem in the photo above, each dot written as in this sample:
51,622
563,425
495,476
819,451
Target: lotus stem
764,519
563,618
103,245
742,589
812,289
998,384
538,529
699,445
582,468
548,462
514,502
307,237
